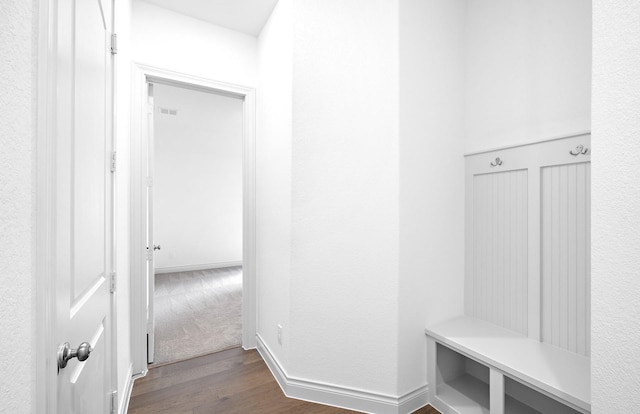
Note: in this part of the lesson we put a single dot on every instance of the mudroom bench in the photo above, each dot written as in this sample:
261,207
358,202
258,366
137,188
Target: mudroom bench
478,367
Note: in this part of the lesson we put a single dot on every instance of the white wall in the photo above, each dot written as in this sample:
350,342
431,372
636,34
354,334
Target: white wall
615,195
173,41
615,285
344,194
431,176
18,46
528,71
123,196
273,179
197,178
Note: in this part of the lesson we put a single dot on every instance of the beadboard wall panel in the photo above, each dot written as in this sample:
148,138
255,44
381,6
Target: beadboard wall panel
527,240
565,256
498,291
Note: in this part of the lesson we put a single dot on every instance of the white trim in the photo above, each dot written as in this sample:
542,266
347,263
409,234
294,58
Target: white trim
414,400
338,396
113,333
192,268
524,144
138,237
45,395
123,404
272,363
141,73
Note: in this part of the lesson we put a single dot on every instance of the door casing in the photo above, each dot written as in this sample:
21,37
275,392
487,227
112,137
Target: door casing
139,148
45,351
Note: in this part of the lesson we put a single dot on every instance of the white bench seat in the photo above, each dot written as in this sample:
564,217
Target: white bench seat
562,375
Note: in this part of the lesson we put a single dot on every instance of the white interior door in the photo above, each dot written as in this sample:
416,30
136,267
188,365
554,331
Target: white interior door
151,281
84,203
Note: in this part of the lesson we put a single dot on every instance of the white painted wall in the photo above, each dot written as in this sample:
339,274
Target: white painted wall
273,179
344,194
431,272
528,71
615,286
197,178
173,41
615,198
18,74
123,197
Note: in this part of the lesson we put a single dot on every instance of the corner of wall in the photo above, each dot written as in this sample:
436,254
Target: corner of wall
431,175
273,180
615,286
18,131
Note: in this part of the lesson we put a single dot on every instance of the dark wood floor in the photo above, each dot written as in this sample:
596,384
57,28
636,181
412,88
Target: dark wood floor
232,381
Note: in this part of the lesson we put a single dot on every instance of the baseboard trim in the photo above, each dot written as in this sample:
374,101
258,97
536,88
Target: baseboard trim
413,400
337,396
192,268
126,395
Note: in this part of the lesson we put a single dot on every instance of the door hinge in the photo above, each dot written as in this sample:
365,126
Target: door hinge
114,44
113,161
149,181
114,402
150,109
112,282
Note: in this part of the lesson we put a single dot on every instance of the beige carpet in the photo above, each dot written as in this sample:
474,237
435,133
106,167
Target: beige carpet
197,313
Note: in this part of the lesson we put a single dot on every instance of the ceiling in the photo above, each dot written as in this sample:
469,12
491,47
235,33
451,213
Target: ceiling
246,16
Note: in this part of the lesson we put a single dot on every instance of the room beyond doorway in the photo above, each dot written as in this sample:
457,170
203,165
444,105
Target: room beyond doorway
172,256
195,221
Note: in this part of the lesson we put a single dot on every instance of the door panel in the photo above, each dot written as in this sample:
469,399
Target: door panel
84,202
83,380
90,144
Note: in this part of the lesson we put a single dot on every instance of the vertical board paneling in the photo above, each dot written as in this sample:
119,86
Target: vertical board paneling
511,284
499,273
586,307
523,254
572,268
546,247
565,256
554,299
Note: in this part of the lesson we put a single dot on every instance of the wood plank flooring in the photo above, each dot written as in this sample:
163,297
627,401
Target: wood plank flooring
232,381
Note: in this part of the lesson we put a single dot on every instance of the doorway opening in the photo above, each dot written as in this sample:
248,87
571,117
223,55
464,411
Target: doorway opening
193,209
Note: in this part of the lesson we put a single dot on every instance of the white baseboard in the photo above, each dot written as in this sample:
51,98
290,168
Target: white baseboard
413,400
337,396
126,394
192,268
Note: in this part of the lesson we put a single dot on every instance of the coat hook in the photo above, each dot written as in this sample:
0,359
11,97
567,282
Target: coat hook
580,149
497,162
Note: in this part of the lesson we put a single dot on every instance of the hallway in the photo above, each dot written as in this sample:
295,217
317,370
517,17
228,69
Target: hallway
231,381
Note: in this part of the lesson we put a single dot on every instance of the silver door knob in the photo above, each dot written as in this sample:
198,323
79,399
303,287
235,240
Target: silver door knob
65,353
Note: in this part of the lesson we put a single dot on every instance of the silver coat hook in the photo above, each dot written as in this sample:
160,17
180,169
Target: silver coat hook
580,149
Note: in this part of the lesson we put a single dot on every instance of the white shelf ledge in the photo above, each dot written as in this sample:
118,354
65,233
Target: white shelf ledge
556,372
465,394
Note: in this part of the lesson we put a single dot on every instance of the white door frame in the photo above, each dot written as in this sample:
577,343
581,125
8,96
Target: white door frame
141,75
45,352
46,346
